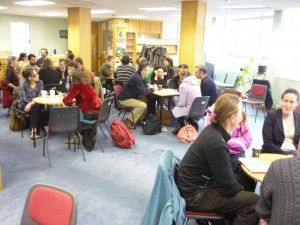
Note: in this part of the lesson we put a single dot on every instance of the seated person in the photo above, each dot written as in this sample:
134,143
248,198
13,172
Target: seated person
241,139
205,177
279,193
11,77
67,81
88,101
158,77
107,73
124,71
188,91
168,66
134,94
48,74
30,88
281,129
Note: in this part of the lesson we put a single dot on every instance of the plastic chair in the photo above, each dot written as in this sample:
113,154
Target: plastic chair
231,79
257,97
63,120
123,109
57,87
51,205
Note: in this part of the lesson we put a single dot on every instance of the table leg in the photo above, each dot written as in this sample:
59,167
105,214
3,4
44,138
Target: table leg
160,116
0,179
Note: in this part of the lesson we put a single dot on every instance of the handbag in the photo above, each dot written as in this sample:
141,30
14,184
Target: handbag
166,117
187,134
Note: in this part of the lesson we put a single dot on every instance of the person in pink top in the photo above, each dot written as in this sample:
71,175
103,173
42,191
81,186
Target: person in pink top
241,140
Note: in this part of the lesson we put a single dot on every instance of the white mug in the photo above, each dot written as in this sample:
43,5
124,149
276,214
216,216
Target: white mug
52,93
44,93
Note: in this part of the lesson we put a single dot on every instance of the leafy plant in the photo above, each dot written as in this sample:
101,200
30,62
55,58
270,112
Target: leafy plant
247,75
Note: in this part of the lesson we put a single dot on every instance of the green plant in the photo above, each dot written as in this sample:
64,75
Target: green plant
247,74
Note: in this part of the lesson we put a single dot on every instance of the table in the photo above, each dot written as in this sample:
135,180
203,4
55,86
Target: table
48,100
267,158
165,93
223,85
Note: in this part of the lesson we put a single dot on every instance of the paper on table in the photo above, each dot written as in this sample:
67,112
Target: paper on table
255,165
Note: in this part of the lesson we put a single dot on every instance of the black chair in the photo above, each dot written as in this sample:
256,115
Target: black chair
63,120
198,108
104,116
56,87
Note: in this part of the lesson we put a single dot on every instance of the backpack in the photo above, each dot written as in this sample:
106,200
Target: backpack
151,126
121,135
187,133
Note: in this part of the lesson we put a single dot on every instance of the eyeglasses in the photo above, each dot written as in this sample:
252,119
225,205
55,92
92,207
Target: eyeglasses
35,74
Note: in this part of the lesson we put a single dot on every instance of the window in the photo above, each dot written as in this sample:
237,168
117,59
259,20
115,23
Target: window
20,38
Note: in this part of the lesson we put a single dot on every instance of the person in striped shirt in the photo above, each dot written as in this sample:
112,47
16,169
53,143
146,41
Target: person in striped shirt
124,71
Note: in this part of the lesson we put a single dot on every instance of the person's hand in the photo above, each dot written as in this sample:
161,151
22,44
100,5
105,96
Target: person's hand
263,222
28,106
155,87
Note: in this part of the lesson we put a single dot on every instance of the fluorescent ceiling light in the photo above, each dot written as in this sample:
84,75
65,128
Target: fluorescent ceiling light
34,3
53,14
245,7
2,7
158,9
103,11
176,15
132,16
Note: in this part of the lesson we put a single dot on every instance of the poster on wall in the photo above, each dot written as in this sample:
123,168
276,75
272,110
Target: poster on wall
121,41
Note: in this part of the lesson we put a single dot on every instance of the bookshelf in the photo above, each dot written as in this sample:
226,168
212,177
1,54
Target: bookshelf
131,46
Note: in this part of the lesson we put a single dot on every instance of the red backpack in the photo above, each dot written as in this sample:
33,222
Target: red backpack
121,135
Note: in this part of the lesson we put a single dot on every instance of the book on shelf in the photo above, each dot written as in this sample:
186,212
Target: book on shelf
254,165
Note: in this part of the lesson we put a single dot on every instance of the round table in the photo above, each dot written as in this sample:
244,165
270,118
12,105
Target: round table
48,100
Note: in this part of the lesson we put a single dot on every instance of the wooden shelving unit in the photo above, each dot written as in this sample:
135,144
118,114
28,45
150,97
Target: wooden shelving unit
131,46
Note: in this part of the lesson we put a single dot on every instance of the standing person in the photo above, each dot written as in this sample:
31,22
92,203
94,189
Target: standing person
22,61
124,71
188,91
168,65
208,86
88,101
281,129
134,94
107,73
11,77
205,177
30,88
240,141
31,64
279,193
67,81
48,74
86,71
44,54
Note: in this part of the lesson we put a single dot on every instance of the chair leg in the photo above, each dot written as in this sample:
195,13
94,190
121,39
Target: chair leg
48,152
79,135
256,112
108,128
102,130
100,143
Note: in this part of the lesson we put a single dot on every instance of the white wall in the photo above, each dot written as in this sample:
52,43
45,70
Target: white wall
44,33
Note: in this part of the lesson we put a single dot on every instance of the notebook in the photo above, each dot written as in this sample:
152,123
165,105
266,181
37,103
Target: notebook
254,165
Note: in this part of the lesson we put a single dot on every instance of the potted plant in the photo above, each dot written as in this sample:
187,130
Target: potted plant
246,76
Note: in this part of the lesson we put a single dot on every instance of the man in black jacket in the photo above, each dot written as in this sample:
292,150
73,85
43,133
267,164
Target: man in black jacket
134,94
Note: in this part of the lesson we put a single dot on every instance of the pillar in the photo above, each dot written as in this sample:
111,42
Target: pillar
193,15
79,33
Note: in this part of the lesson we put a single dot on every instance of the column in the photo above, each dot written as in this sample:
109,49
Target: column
79,33
193,15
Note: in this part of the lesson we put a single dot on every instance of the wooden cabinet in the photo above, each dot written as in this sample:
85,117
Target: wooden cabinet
145,26
131,45
133,26
155,27
3,62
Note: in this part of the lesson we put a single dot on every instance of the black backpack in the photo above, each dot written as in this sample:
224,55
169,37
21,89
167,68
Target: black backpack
151,125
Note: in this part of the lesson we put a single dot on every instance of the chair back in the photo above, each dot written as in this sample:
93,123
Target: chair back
231,78
47,204
64,119
220,76
199,107
118,89
105,109
7,97
110,94
57,87
258,93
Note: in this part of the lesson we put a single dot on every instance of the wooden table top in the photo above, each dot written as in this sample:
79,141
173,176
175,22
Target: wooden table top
48,100
166,92
267,158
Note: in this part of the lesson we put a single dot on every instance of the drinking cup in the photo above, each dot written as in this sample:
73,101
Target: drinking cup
52,93
256,152
159,87
44,93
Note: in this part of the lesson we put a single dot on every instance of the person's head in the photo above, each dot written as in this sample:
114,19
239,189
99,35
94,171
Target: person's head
67,52
168,62
159,71
289,101
71,57
79,62
12,61
22,56
71,67
232,91
30,75
144,69
32,59
111,61
200,71
140,59
228,111
44,52
79,77
47,64
62,64
125,60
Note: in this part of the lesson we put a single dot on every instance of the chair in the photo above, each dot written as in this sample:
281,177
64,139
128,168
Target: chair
7,97
51,205
123,109
166,190
104,116
220,76
231,79
256,96
63,120
57,87
198,108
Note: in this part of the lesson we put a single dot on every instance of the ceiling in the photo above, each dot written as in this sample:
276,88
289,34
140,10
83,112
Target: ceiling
127,8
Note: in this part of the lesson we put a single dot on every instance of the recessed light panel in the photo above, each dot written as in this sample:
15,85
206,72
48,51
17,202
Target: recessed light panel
34,3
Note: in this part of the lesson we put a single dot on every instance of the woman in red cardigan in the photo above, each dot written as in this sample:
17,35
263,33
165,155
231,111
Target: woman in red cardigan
88,101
